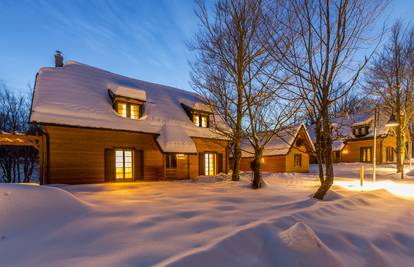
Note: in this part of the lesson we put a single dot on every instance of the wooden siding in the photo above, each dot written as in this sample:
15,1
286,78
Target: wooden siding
290,160
304,149
285,163
352,149
208,145
270,164
76,155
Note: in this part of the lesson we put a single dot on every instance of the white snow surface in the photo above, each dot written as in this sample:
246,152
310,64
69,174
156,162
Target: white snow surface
77,95
129,92
206,222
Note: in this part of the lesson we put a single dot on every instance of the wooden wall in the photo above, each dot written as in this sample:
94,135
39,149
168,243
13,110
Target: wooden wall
304,149
285,163
208,145
351,151
76,155
270,164
290,166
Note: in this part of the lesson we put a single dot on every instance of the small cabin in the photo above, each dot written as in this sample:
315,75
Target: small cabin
289,151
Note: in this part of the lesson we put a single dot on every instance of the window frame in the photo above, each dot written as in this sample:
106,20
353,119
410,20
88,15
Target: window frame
214,154
361,154
128,106
199,121
389,154
124,178
170,160
297,160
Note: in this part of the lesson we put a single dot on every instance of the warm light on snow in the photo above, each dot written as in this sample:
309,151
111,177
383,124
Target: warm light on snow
398,189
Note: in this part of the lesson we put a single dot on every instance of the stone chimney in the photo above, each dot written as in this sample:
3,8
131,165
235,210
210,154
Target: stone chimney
58,59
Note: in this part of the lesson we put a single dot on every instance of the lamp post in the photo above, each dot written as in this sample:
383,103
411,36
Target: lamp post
392,122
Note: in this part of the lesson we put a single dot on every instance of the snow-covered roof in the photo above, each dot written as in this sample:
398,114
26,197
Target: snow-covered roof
129,92
172,138
77,95
337,145
342,127
279,145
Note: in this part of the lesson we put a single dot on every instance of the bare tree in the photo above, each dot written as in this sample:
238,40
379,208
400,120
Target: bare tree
226,47
324,42
391,81
16,163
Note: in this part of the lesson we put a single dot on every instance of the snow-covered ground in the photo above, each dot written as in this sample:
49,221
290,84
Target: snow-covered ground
209,222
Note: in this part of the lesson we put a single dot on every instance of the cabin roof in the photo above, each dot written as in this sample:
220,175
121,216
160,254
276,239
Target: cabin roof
77,95
280,143
343,125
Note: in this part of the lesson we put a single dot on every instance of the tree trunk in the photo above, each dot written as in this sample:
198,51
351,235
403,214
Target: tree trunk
257,170
237,134
319,153
236,161
327,141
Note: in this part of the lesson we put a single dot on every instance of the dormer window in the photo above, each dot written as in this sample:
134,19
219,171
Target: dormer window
128,110
128,102
360,130
199,117
200,120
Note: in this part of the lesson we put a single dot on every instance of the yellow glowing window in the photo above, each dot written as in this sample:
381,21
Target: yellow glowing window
200,120
196,120
134,111
209,164
123,164
122,109
128,110
204,122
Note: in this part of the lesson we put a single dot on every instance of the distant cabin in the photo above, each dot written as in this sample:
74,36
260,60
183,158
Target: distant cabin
289,151
104,127
354,139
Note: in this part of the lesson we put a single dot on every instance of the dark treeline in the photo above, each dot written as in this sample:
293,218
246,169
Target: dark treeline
17,163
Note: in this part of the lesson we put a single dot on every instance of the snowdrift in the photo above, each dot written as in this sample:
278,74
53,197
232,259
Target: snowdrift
263,244
27,207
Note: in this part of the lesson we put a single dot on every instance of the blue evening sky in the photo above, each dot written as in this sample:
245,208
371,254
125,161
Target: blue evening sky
144,39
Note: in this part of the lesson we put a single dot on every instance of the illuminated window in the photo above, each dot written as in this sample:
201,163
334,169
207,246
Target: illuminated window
123,164
196,120
366,154
200,120
128,110
209,164
122,109
204,122
134,111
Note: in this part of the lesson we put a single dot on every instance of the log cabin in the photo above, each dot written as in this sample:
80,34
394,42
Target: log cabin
104,127
289,151
354,139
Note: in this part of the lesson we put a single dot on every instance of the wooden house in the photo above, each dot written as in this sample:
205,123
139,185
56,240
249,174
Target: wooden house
104,127
354,139
289,151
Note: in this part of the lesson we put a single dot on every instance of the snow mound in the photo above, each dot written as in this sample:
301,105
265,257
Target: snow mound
41,207
410,172
332,195
212,179
301,237
260,244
